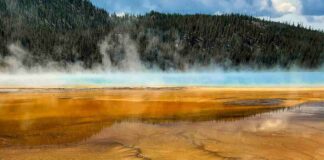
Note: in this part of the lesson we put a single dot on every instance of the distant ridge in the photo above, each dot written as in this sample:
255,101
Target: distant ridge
62,33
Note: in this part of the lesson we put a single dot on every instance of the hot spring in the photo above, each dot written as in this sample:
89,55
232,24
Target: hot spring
151,79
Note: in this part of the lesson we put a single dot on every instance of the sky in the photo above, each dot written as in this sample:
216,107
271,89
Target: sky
307,12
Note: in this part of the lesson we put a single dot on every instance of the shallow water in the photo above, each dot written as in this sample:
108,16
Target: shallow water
166,79
162,123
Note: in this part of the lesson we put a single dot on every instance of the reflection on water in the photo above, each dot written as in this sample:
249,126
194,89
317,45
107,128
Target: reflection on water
162,124
286,134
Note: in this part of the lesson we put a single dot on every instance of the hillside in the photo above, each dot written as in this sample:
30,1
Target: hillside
63,33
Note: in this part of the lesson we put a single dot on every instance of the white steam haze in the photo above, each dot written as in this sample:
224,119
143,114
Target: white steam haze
119,53
157,79
121,47
130,71
123,43
14,62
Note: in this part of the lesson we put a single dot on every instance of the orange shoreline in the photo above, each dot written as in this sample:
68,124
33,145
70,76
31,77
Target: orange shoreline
186,122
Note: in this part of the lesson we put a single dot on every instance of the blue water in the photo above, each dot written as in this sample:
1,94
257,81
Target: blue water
166,79
198,79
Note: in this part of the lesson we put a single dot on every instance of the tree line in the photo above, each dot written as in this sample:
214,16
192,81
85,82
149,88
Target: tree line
70,31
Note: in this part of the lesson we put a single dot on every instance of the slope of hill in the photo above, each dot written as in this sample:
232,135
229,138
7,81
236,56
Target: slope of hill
63,33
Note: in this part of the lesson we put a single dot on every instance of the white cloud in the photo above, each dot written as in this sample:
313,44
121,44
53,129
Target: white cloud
120,14
218,13
287,6
291,12
279,10
315,22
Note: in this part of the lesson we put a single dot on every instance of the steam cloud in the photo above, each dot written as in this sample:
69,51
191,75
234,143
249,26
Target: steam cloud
120,48
114,48
120,54
15,61
118,51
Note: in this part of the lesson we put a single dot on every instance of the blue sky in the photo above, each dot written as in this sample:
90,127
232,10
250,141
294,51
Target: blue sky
308,12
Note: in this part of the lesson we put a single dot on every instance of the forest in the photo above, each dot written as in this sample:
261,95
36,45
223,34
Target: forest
61,33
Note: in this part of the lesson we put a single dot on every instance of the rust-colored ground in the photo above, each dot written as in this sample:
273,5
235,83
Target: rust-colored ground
159,123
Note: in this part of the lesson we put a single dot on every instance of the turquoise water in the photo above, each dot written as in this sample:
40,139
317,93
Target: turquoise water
167,79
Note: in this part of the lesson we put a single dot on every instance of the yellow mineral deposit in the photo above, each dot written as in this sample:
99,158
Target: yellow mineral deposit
162,123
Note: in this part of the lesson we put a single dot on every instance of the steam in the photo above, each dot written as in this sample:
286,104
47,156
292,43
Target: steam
158,79
15,61
121,65
119,54
166,52
120,48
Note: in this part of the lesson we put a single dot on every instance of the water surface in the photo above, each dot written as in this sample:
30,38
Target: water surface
166,79
162,123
